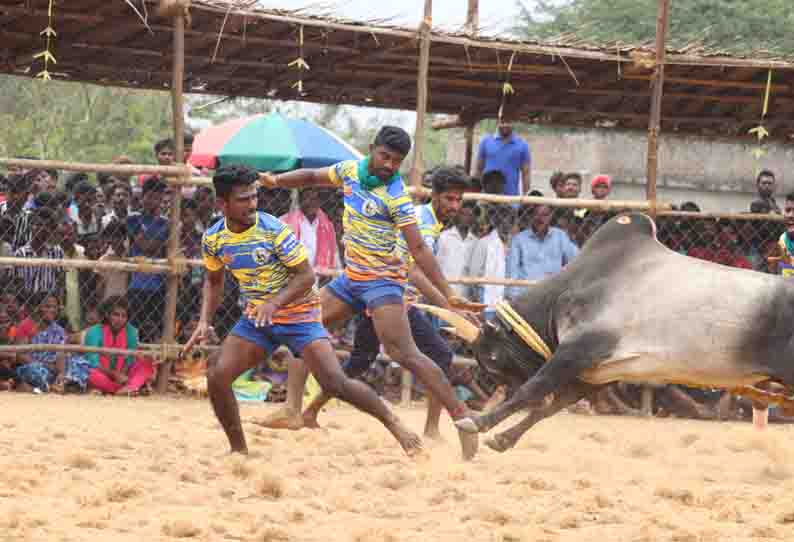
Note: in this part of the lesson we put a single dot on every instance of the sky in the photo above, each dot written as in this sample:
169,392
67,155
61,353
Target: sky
495,15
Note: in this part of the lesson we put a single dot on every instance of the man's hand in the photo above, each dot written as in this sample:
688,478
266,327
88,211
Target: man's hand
268,180
119,377
200,335
261,314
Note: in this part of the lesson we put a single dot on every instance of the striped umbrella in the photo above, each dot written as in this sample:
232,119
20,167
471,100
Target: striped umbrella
269,142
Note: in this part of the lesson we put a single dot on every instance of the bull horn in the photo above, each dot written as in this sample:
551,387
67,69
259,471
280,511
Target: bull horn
463,328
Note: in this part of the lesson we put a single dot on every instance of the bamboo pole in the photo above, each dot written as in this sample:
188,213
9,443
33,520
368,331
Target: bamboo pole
142,267
122,169
654,126
656,105
473,18
172,286
417,169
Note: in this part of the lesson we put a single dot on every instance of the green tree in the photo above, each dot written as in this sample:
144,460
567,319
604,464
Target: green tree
731,25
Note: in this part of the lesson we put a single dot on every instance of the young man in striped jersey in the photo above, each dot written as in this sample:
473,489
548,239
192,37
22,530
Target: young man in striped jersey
378,211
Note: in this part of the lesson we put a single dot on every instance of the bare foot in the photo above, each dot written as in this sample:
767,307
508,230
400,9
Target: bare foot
24,387
410,441
310,420
283,418
434,435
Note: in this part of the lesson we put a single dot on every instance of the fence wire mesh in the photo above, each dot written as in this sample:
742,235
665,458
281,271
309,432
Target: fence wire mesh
125,219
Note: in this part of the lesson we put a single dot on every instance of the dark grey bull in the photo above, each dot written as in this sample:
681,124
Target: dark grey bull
629,309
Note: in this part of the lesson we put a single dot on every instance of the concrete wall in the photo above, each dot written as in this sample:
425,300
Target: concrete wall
718,175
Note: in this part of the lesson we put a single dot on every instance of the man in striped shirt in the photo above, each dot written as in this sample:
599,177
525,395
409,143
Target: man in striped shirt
14,208
43,244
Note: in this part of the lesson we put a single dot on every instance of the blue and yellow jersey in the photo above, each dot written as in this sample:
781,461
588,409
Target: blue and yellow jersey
372,222
430,229
786,265
259,259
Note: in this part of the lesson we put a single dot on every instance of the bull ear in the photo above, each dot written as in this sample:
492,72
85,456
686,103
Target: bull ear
463,328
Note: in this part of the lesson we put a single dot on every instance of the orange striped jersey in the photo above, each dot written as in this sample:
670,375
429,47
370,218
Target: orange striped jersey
260,258
372,222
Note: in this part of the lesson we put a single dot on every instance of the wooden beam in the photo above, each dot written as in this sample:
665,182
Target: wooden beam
747,100
718,83
417,169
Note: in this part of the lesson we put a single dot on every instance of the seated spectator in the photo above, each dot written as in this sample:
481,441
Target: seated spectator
41,370
601,186
539,251
114,283
314,230
116,374
12,293
704,235
43,226
728,250
765,184
8,362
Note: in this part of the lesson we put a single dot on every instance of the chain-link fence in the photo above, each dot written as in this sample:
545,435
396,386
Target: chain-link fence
83,241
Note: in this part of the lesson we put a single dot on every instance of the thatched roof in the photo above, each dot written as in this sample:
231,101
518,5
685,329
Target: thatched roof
565,81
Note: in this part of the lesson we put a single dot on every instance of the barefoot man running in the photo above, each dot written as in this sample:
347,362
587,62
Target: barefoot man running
283,307
377,209
448,184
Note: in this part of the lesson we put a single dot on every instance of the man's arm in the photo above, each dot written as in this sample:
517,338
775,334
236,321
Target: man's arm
212,294
300,178
301,280
526,180
425,260
427,289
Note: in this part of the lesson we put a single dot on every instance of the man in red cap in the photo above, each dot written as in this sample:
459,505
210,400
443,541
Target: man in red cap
601,186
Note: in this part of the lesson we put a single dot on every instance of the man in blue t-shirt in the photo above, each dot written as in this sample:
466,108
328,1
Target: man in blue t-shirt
148,235
509,154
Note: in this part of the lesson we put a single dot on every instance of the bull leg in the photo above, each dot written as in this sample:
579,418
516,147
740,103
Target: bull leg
507,439
560,371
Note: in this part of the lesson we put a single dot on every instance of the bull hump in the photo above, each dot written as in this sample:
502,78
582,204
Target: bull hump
629,226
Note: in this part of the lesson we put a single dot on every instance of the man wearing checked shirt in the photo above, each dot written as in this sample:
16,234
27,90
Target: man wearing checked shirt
378,210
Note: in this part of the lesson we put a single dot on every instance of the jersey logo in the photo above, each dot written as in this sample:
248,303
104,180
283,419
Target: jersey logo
227,258
370,208
261,256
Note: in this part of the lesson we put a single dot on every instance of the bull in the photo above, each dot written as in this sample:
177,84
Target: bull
629,309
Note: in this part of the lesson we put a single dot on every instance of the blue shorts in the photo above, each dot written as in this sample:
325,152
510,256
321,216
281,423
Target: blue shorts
366,294
295,336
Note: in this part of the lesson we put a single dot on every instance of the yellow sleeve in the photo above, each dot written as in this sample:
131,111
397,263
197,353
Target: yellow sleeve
290,251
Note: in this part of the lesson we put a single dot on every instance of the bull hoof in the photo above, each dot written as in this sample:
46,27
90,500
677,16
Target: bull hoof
467,425
497,444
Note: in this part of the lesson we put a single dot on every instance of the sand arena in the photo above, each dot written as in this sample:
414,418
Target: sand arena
82,468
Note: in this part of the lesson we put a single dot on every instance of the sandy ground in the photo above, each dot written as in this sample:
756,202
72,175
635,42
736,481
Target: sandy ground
92,468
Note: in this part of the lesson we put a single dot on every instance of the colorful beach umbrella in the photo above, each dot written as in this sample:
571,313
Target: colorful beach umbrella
269,142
